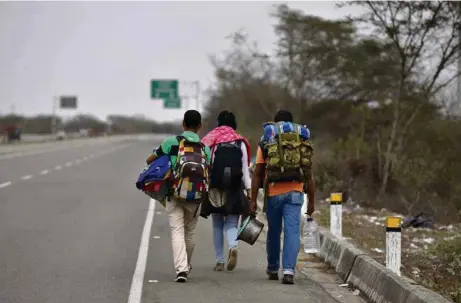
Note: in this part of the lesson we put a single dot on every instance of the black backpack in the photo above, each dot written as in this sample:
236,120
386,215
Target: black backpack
226,169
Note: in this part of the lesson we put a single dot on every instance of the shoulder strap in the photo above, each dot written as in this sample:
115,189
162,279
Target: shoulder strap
174,150
263,148
279,142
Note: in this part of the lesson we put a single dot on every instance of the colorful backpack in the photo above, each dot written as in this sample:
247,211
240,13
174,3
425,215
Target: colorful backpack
190,175
288,152
154,179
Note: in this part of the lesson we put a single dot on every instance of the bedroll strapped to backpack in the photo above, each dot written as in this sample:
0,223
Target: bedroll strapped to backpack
288,152
154,179
190,175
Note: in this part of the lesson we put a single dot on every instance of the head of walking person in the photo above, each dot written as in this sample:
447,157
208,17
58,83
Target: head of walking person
227,118
283,116
192,121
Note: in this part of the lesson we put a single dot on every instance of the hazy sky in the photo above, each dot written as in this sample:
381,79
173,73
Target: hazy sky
107,52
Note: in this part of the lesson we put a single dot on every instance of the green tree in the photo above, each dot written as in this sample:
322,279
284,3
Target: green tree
423,35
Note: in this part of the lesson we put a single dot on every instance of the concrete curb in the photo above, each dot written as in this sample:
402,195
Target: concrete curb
376,282
338,254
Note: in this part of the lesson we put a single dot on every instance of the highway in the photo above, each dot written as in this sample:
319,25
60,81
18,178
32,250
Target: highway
73,228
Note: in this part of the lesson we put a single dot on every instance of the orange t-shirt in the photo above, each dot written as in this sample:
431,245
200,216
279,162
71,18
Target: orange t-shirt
279,188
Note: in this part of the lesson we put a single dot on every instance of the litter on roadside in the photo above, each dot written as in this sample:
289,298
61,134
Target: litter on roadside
422,220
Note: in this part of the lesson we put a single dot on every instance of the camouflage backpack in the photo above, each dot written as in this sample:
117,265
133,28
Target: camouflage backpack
288,152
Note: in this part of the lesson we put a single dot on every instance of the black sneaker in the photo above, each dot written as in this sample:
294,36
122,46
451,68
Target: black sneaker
273,276
181,277
288,279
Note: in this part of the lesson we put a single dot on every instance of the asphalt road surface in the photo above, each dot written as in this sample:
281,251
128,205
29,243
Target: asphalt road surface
73,228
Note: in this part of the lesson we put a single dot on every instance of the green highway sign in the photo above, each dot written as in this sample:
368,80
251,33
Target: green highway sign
172,103
164,89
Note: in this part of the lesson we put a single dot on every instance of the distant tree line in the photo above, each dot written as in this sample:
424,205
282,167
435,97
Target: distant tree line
42,124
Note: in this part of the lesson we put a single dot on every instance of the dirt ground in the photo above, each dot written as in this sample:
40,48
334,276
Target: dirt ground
431,257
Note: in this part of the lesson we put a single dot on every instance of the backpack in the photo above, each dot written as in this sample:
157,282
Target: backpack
287,151
154,179
190,175
226,169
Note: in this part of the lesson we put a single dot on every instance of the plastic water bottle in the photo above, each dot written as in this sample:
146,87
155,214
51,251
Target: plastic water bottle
311,237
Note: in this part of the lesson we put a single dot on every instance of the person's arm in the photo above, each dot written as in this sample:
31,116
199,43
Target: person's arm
256,179
151,158
163,149
310,187
208,155
245,169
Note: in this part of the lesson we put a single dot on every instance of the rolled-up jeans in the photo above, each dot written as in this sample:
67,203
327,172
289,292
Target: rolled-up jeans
287,208
224,224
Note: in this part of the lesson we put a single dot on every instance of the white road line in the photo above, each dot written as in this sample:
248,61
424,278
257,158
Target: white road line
138,276
58,167
69,164
5,184
156,237
44,172
85,158
27,177
78,161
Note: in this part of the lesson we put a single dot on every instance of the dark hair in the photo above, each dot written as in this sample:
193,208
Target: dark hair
192,119
283,115
227,118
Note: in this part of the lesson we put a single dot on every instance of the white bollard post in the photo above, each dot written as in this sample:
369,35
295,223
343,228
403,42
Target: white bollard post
393,243
336,214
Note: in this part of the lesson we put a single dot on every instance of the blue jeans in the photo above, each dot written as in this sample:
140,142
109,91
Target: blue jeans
286,207
221,224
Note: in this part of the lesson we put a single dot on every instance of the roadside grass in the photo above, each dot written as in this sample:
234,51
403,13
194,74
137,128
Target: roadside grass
431,257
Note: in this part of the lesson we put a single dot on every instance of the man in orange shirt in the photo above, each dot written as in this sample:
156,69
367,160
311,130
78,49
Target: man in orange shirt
284,202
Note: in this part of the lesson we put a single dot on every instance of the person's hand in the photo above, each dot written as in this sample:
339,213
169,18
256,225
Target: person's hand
248,193
253,207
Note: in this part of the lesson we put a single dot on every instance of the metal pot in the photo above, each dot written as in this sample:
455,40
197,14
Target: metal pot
250,230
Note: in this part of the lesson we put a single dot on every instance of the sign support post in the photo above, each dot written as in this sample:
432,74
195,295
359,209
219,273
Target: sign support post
64,102
53,114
